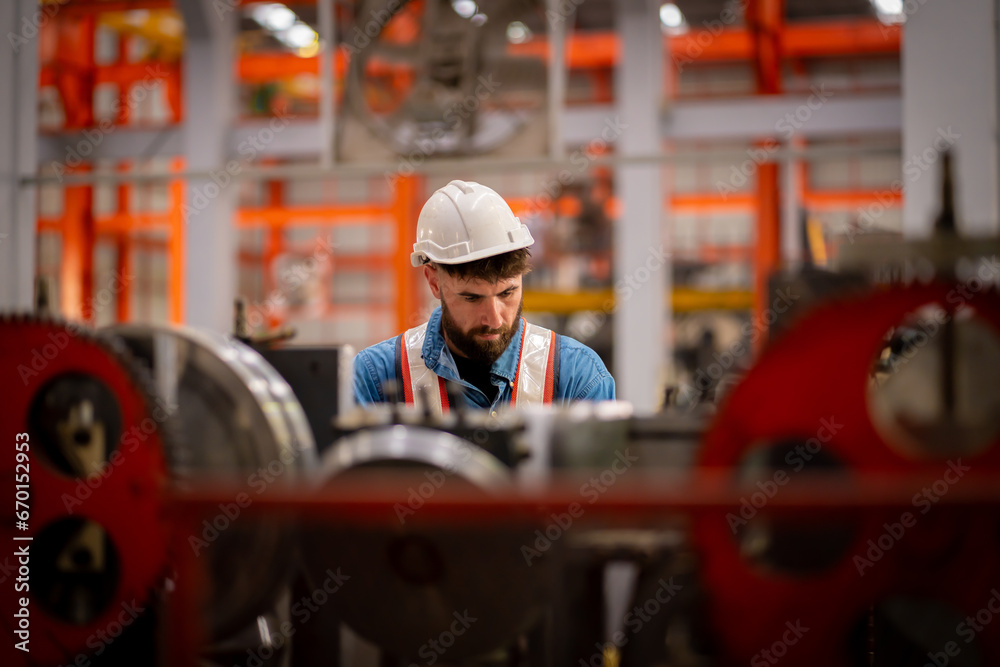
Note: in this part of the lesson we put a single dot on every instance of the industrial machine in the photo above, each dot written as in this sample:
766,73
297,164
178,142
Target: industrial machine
114,419
466,95
837,507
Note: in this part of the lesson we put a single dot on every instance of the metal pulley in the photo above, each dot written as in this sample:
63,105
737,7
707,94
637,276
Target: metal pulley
413,581
235,420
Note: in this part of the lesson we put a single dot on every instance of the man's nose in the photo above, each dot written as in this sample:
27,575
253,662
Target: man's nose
492,316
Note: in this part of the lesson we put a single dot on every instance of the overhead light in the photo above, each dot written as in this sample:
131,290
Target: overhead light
274,16
298,36
889,11
518,33
478,19
465,8
671,17
888,6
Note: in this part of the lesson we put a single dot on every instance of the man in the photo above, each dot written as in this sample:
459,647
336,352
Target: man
474,255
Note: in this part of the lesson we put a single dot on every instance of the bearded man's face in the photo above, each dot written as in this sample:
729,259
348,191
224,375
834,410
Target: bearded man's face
479,318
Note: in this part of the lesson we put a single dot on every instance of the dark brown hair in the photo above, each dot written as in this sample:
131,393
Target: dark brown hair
491,269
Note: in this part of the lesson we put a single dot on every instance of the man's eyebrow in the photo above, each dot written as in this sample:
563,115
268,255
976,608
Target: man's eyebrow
510,288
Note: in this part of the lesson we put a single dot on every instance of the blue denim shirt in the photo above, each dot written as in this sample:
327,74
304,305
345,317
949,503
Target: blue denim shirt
582,374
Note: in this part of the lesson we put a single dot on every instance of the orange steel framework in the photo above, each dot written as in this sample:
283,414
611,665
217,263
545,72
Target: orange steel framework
766,19
67,56
591,53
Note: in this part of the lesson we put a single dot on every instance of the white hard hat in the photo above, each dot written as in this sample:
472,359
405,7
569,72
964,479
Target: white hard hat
463,222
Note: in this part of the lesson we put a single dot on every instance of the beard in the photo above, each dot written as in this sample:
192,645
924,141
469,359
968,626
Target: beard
483,351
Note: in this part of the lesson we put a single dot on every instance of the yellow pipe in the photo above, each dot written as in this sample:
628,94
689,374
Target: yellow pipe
684,300
162,28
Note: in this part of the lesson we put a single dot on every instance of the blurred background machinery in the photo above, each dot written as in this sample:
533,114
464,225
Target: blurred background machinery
764,132
836,503
734,203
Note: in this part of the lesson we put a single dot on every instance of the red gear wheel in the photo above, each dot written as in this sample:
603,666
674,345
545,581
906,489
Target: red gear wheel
126,501
818,370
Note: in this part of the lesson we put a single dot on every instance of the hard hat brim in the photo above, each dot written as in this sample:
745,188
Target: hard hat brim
460,253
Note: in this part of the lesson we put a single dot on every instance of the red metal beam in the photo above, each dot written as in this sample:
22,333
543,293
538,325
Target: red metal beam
712,202
768,232
687,202
849,200
406,208
274,245
267,67
115,223
73,71
765,19
120,74
371,501
76,283
848,37
845,38
80,8
322,215
177,255
584,51
123,243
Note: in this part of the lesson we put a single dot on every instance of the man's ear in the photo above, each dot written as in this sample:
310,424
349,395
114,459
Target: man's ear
433,277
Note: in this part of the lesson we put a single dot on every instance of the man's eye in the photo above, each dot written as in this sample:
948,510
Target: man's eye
471,299
509,293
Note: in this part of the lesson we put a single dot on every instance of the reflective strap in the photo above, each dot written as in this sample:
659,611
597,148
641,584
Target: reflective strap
443,394
404,371
550,369
535,380
416,374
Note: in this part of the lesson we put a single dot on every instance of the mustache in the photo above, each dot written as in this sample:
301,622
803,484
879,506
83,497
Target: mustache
487,331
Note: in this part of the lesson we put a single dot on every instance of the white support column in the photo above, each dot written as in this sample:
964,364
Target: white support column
19,24
791,213
327,19
949,72
557,75
642,265
210,105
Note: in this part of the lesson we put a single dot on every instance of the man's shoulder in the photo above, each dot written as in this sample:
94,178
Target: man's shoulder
381,349
372,367
582,373
572,350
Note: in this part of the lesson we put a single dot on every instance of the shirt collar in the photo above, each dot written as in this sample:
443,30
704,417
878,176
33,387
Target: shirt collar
437,356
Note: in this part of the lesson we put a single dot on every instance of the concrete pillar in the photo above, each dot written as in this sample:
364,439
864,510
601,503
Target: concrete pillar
20,23
209,114
791,212
949,74
642,265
